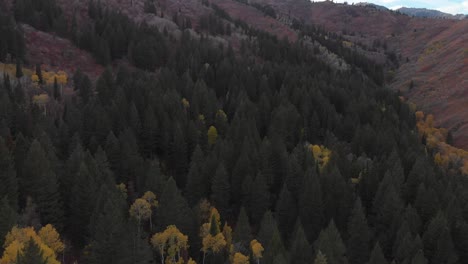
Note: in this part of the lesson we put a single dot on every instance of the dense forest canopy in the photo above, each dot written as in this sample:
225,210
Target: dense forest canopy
197,153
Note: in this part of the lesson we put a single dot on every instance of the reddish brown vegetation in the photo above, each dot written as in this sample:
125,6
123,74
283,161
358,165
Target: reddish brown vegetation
437,52
58,54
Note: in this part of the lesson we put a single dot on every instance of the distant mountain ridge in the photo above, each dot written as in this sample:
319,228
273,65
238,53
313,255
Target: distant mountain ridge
379,7
429,13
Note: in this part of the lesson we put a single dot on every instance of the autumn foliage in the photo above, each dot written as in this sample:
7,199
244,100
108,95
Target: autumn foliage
445,155
47,239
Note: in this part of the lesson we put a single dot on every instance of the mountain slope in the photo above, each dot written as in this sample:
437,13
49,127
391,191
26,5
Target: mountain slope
432,52
429,13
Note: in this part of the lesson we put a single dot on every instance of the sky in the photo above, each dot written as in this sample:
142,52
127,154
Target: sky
447,6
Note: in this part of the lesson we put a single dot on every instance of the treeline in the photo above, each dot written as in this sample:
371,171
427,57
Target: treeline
12,41
313,164
334,43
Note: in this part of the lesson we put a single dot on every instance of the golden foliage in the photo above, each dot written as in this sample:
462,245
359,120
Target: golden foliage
171,241
446,156
48,241
140,209
191,261
212,135
41,99
257,249
123,189
221,115
51,238
35,78
214,243
185,103
240,259
321,155
150,197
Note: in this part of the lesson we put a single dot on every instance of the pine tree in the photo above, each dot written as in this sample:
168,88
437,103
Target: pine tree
154,178
260,199
338,199
31,254
107,228
285,212
19,68
40,182
330,243
220,190
174,210
39,73
300,248
359,235
377,256
294,177
438,244
267,227
311,205
242,231
274,248
8,218
419,258
57,93
9,186
196,183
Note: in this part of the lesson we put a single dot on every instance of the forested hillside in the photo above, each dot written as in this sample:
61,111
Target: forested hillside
215,142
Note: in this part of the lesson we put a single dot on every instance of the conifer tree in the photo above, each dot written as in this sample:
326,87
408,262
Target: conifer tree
359,235
196,183
377,256
330,243
31,254
260,199
174,210
300,248
242,231
220,190
19,68
9,186
57,93
274,248
285,212
40,182
438,244
311,205
8,218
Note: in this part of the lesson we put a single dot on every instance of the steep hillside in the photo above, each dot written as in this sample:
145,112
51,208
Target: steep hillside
429,13
432,53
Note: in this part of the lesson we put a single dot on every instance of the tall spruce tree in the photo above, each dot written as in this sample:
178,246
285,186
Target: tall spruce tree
359,235
40,182
9,186
311,205
330,243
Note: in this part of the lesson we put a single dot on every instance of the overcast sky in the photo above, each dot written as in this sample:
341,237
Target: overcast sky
447,6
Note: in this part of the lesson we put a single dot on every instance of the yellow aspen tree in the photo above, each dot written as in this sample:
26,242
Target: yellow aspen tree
170,242
213,240
123,189
257,250
212,135
239,258
140,210
191,261
16,240
51,238
150,197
